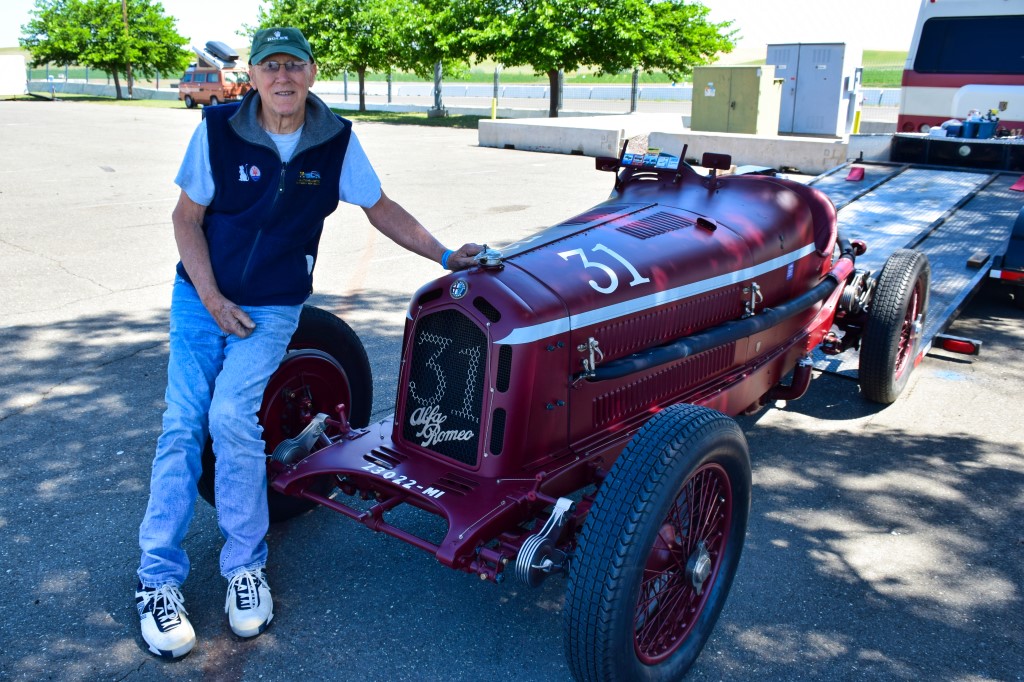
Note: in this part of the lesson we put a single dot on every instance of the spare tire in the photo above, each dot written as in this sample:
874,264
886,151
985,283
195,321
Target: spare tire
326,365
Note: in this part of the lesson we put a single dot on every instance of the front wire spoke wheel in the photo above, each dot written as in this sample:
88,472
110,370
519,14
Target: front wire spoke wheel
686,557
659,549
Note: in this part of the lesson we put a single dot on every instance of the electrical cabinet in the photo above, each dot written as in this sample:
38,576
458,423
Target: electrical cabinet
736,99
821,85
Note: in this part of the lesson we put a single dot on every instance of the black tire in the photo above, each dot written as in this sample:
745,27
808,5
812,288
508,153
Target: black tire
189,102
323,353
213,101
638,542
892,333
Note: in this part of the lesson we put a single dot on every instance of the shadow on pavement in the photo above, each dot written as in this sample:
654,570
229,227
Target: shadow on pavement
868,545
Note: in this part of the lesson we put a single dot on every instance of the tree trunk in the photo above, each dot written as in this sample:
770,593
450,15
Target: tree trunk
117,83
553,102
362,87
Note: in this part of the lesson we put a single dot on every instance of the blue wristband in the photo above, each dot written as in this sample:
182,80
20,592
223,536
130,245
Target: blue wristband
445,257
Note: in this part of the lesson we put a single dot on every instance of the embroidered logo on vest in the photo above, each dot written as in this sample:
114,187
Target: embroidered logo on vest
245,172
309,178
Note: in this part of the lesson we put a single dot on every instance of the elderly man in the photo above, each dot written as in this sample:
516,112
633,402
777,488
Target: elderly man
257,181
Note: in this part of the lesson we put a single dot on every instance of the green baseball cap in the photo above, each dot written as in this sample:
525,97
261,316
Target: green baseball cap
279,40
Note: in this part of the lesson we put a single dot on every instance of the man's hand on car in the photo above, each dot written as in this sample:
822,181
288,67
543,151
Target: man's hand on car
465,257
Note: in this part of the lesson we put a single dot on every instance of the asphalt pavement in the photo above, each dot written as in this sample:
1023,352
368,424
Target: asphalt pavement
884,543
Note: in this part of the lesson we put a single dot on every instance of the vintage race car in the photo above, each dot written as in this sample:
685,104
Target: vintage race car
564,405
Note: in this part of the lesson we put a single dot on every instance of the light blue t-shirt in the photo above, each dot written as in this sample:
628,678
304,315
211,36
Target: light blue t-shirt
359,183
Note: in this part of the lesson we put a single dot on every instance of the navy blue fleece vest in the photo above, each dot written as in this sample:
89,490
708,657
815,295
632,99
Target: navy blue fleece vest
264,224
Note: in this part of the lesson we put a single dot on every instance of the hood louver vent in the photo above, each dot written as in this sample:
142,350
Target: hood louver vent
653,225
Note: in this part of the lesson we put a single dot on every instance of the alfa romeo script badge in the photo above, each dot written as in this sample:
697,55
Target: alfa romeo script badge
459,288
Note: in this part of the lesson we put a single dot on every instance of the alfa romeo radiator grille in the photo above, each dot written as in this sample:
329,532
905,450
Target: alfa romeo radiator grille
445,388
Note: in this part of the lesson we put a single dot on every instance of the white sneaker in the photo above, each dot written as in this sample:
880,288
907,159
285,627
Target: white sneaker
249,606
164,625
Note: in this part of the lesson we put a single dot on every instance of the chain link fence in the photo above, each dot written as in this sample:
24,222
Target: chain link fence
517,99
83,74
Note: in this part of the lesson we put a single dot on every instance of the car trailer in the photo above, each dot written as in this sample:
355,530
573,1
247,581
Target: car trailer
969,222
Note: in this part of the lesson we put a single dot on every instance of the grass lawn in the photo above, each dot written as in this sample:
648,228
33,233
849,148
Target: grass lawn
411,118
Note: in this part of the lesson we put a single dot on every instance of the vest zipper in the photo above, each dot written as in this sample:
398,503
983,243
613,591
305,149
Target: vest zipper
259,232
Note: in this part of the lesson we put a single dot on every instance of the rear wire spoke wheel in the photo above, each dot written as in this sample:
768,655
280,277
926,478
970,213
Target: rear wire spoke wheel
659,549
326,366
892,333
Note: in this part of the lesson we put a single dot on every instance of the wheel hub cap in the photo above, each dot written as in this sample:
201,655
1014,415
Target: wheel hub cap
698,568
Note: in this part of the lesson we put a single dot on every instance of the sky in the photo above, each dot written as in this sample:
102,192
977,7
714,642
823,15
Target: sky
869,24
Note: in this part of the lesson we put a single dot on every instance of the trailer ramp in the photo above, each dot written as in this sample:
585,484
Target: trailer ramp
960,218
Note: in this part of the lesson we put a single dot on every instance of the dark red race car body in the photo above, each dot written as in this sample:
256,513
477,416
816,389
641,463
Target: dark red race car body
563,405
497,417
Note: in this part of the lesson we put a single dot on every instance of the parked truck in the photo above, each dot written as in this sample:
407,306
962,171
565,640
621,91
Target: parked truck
964,55
214,78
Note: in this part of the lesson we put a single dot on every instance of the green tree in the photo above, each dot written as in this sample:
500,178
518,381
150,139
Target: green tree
368,35
610,35
116,36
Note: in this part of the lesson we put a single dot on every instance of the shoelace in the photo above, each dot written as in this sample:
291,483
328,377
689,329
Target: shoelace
246,586
167,601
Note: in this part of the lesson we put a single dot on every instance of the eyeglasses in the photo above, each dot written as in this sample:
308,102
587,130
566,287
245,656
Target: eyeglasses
274,67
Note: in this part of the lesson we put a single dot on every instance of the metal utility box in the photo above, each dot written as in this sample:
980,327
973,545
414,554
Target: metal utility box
735,99
821,83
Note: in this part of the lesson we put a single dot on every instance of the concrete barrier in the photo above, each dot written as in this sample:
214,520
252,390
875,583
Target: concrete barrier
648,93
56,88
563,138
604,136
415,90
806,154
877,127
586,135
869,147
609,92
484,111
667,93
510,90
524,92
880,97
375,88
483,91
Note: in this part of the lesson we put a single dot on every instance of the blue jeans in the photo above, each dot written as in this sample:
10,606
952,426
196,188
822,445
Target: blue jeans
215,385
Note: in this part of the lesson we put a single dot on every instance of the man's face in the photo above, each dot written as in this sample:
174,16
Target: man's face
283,92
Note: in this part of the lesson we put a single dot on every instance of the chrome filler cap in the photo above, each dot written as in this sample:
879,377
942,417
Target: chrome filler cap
489,258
